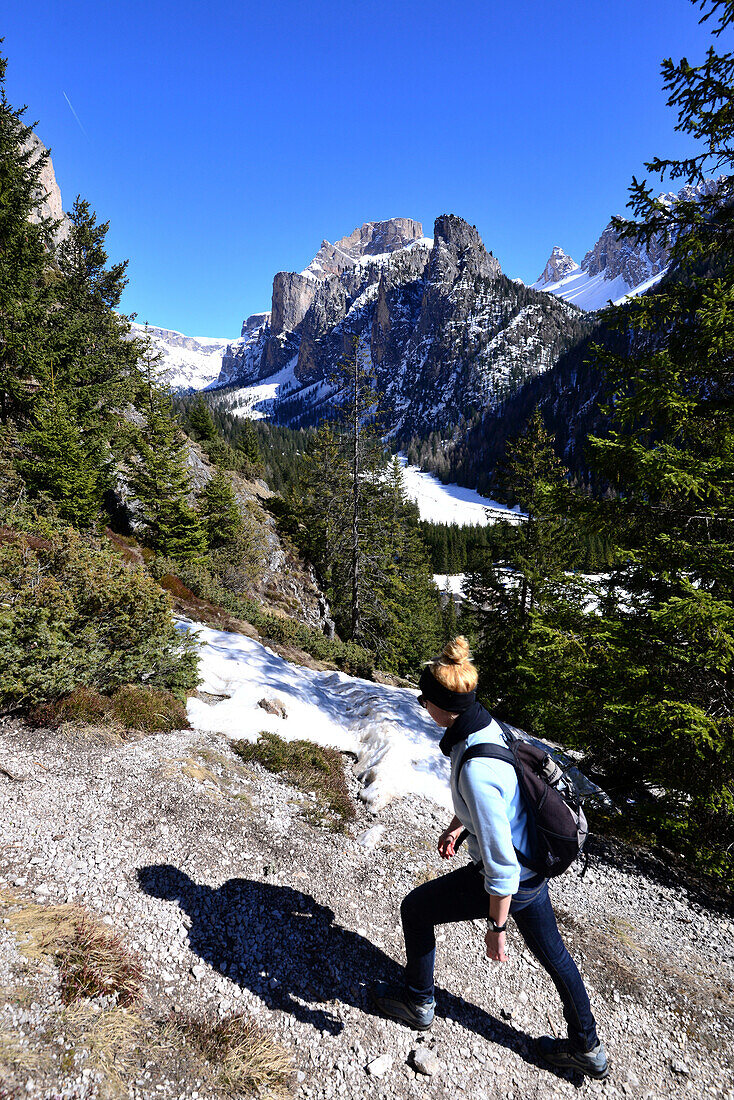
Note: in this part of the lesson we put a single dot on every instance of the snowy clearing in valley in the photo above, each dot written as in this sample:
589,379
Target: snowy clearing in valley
455,504
395,742
450,582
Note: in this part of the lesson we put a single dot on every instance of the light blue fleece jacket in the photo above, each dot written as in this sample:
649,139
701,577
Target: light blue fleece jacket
489,805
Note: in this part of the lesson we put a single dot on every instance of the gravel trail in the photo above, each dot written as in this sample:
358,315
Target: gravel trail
216,875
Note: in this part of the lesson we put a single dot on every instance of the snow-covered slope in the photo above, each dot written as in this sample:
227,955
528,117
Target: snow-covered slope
439,503
187,362
590,292
615,269
394,740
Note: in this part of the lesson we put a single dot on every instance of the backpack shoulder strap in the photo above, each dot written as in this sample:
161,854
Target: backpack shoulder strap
507,731
491,752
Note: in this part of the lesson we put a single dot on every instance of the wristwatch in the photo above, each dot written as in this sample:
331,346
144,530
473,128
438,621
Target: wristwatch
494,927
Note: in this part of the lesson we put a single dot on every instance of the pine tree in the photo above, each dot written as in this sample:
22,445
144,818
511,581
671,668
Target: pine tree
521,593
56,462
159,478
659,692
219,511
247,443
25,260
74,433
359,402
200,420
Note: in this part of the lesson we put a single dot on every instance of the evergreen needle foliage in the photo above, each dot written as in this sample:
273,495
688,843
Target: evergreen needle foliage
638,668
160,480
351,517
72,612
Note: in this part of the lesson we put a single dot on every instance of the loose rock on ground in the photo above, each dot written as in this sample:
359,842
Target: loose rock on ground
217,877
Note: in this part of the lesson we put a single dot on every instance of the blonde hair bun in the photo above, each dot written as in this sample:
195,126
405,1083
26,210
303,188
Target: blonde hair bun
454,668
457,651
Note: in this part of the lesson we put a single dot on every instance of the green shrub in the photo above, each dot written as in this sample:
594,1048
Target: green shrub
151,709
308,766
136,707
205,582
73,613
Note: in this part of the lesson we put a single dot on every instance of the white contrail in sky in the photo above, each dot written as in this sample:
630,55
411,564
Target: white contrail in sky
76,116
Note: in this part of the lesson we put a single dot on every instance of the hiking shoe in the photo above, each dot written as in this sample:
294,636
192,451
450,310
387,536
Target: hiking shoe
559,1052
398,1004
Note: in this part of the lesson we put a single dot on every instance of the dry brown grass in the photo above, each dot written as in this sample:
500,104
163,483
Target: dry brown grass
192,769
310,767
245,1058
92,960
17,1055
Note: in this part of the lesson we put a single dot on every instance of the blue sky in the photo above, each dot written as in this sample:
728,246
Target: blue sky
224,140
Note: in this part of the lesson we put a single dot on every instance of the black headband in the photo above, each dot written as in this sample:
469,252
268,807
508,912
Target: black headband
455,702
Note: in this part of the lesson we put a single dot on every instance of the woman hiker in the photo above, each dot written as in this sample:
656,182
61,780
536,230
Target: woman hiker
488,804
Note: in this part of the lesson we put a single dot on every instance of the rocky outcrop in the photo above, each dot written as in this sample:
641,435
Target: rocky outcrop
558,266
612,257
292,295
50,204
253,322
629,265
370,239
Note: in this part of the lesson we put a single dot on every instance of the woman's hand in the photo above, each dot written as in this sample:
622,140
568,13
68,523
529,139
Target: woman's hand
448,838
495,942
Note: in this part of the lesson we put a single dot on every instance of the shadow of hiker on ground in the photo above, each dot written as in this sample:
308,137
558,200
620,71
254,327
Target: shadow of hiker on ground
256,932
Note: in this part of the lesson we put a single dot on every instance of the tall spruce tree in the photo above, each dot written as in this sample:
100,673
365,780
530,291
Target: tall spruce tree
159,478
59,464
25,258
246,443
361,534
219,511
517,585
200,421
74,433
648,681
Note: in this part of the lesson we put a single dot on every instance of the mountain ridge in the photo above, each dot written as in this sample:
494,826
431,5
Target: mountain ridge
444,330
613,268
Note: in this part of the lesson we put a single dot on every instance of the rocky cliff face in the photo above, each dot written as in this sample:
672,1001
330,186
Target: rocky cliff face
50,204
370,239
444,329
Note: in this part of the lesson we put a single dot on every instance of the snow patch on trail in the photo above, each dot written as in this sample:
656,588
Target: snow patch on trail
395,742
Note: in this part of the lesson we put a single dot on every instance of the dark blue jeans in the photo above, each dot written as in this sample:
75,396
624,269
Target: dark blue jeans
459,896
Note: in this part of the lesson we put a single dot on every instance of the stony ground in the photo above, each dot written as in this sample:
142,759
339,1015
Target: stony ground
236,899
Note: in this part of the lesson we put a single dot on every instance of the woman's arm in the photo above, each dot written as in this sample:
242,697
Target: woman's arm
447,839
499,911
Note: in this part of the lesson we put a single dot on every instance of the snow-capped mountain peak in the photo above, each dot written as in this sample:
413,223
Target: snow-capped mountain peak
614,269
558,266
